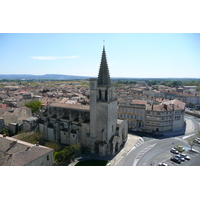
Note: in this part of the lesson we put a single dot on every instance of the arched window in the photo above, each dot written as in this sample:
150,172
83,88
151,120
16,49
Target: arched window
106,95
100,94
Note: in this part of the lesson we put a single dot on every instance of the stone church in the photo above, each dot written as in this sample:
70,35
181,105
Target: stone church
96,126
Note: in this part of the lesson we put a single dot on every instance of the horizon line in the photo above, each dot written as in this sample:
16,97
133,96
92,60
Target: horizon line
110,77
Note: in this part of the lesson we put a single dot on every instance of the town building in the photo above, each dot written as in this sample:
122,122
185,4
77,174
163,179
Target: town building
94,126
167,116
191,100
134,113
19,153
164,116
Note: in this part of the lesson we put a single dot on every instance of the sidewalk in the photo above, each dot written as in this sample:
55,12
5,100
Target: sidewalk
131,141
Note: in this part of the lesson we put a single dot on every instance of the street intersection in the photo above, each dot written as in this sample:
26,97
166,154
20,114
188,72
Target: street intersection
154,150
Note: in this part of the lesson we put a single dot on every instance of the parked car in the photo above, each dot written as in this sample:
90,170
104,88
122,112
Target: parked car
185,156
180,157
174,151
197,141
176,160
79,158
180,148
163,164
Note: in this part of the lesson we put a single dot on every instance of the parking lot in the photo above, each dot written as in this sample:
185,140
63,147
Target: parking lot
164,159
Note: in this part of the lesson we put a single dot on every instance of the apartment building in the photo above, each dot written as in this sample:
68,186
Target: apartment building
161,117
134,113
191,100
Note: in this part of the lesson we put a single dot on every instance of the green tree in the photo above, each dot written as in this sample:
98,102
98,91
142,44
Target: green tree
53,145
198,134
198,88
191,142
35,106
65,155
5,130
36,137
59,157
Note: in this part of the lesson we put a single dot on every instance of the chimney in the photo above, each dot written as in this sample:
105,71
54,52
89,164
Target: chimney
4,135
28,148
11,144
37,143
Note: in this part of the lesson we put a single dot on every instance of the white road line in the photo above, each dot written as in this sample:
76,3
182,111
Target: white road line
140,141
140,154
188,136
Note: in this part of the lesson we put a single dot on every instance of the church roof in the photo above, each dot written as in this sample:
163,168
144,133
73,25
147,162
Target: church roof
71,106
104,76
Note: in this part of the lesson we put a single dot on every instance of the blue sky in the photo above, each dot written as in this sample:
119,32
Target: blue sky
141,55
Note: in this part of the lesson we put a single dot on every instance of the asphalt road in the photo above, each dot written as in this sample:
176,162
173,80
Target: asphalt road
155,150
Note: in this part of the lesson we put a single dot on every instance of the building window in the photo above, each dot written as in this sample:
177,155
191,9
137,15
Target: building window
100,94
106,95
47,157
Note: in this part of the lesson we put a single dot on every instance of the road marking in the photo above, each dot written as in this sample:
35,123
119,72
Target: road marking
140,141
188,136
141,153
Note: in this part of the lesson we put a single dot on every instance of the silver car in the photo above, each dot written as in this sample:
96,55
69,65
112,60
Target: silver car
185,156
163,164
174,151
180,157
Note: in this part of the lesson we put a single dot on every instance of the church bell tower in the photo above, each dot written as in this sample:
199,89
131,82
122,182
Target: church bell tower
103,110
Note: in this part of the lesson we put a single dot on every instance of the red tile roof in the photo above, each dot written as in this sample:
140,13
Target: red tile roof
139,102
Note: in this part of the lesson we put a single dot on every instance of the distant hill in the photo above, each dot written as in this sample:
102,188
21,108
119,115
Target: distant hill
73,77
46,76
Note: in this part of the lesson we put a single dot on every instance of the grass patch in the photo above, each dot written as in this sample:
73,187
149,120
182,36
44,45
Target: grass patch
92,163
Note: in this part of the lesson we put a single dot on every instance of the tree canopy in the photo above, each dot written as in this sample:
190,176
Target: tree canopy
34,106
61,157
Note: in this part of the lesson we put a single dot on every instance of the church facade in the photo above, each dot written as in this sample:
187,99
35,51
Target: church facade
96,126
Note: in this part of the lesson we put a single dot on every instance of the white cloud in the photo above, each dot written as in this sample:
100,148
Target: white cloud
52,57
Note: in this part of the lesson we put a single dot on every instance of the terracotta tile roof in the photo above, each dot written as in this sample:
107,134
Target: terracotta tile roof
160,107
178,105
179,93
161,100
3,106
139,102
167,106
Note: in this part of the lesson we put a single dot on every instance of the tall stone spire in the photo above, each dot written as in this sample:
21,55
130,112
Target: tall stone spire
104,76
